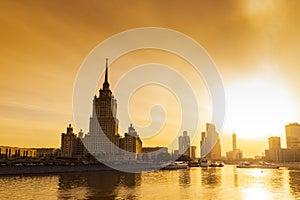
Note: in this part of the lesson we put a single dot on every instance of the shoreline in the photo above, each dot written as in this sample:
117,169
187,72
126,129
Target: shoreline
11,170
22,170
47,170
289,165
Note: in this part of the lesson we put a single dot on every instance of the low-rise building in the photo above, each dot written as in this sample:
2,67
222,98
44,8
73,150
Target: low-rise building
17,152
46,152
277,154
152,153
282,155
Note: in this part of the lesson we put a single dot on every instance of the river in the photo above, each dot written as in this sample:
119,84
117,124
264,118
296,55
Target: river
194,183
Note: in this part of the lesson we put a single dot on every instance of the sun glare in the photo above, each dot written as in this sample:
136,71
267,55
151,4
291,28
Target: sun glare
259,6
258,108
256,193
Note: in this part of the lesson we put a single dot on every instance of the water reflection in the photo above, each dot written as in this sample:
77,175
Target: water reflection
196,183
294,181
263,183
211,176
96,185
276,178
130,180
235,178
184,178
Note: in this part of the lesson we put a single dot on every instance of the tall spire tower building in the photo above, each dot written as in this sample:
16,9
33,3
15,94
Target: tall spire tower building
106,109
103,137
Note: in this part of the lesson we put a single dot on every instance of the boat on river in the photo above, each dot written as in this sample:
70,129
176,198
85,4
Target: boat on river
260,165
216,164
175,165
194,164
203,162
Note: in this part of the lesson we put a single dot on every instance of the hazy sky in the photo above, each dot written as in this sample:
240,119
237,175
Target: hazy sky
255,45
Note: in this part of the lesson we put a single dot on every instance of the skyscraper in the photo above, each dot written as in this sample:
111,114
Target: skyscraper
210,143
235,154
193,152
103,137
233,141
106,109
292,132
184,144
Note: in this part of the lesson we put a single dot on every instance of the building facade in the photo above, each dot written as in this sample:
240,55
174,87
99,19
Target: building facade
292,132
193,152
290,154
153,153
274,143
216,151
46,152
210,144
71,145
103,140
17,152
103,137
184,144
233,141
282,155
236,154
131,143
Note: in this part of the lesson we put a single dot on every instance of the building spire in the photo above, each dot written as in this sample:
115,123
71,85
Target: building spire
106,84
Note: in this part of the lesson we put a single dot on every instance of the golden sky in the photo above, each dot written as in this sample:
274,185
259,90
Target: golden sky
255,45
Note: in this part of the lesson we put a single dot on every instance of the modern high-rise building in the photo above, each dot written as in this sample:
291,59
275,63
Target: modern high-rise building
233,141
235,154
292,132
203,135
210,143
103,137
184,144
193,152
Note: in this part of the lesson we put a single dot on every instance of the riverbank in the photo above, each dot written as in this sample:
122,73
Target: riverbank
55,169
295,165
22,170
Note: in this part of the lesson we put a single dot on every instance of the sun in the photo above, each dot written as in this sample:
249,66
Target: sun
258,108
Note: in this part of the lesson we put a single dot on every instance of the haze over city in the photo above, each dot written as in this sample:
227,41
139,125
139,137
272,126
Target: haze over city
254,46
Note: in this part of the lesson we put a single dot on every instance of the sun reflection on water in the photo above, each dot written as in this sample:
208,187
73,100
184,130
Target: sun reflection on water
228,182
256,193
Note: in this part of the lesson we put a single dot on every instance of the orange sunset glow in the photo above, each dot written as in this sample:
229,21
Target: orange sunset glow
255,47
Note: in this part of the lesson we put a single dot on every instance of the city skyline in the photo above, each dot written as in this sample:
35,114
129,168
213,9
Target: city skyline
254,46
103,121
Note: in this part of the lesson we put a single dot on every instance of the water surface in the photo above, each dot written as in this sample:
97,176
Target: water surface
195,183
